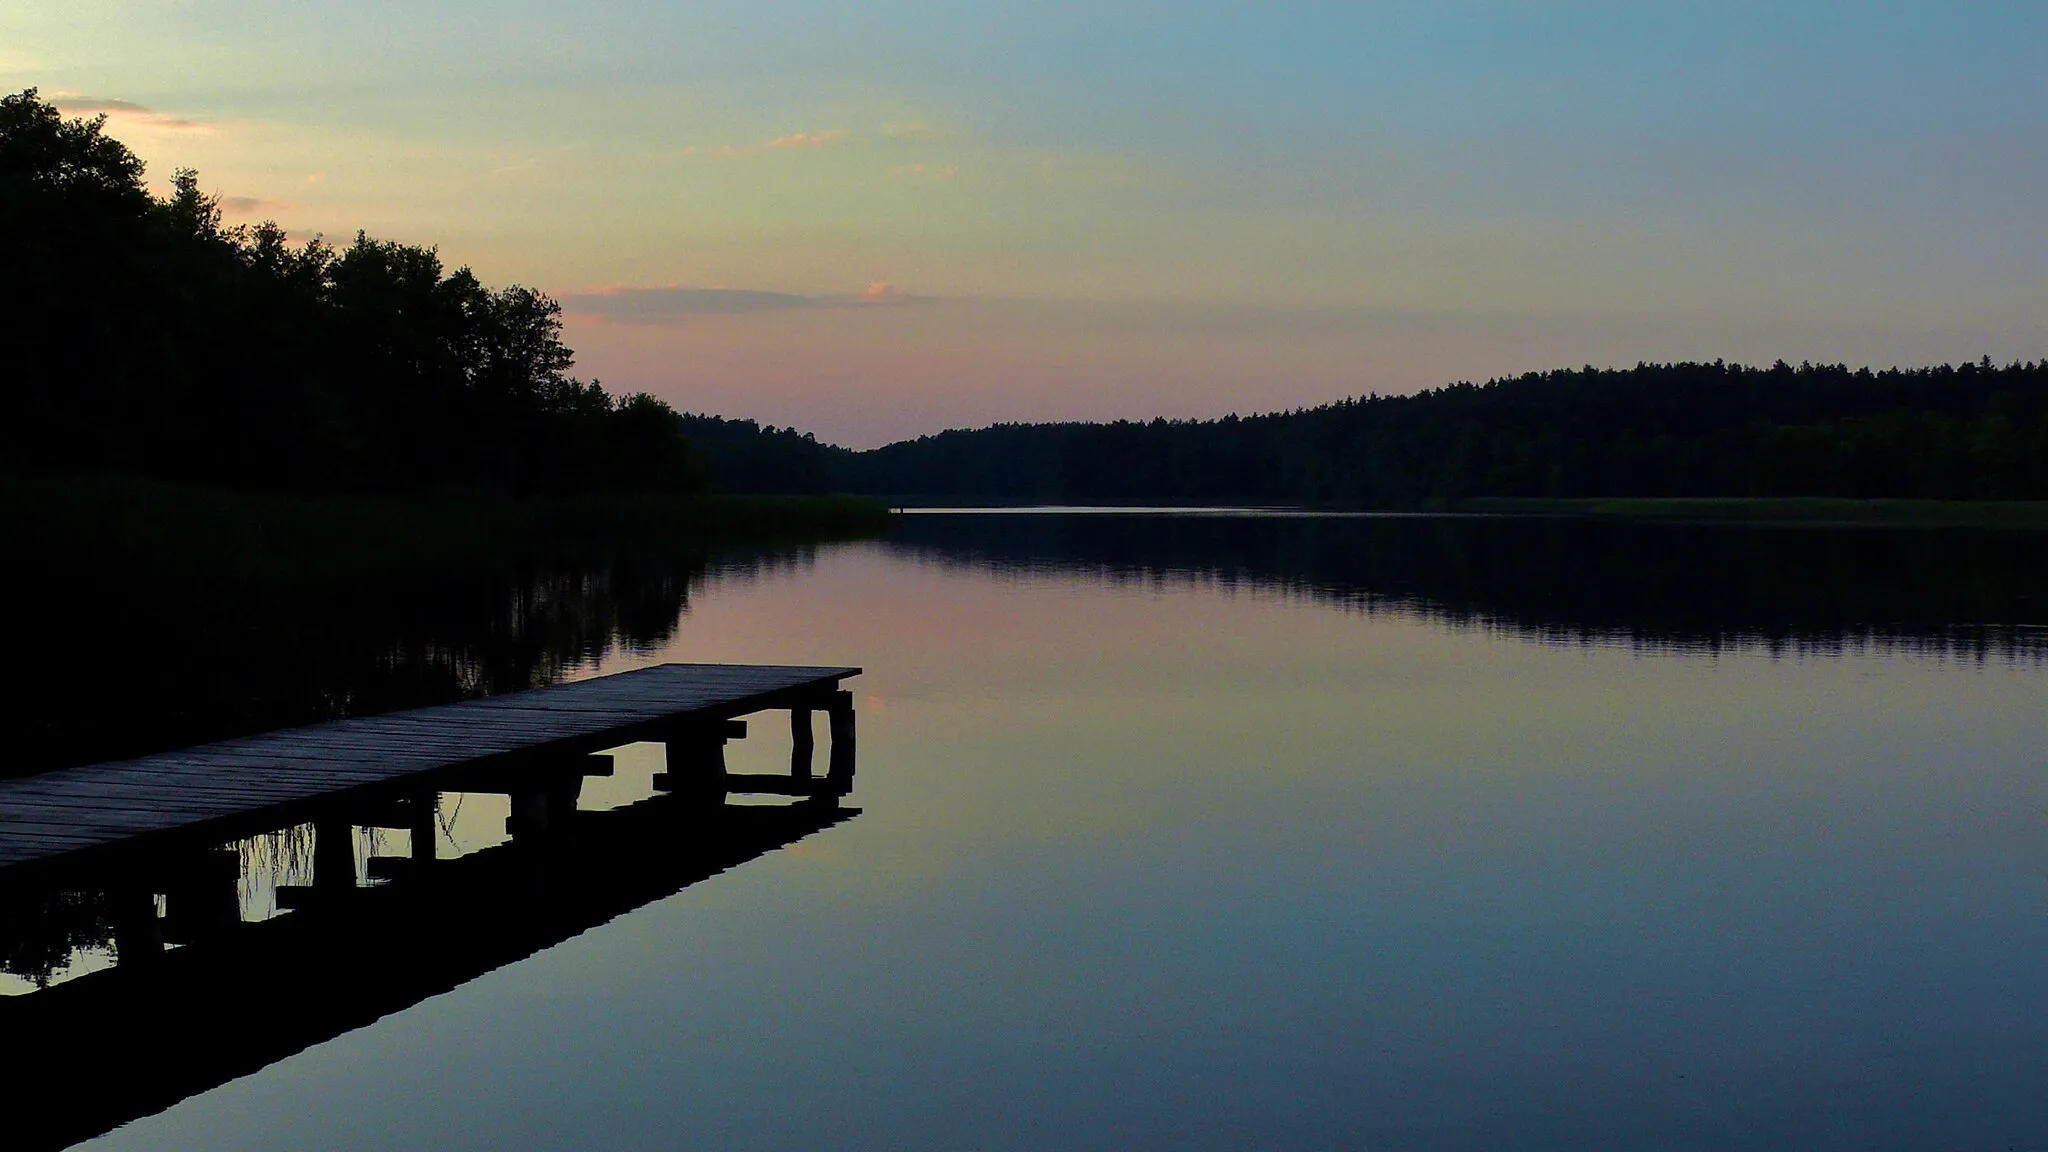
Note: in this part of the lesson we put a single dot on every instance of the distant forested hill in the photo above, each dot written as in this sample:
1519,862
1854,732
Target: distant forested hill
140,335
743,456
1977,431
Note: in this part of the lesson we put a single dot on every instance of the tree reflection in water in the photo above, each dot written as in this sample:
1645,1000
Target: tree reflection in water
126,657
1693,587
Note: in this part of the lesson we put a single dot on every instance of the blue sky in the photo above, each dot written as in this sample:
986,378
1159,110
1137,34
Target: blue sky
1003,211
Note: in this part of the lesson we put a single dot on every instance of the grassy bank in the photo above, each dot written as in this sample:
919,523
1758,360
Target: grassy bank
141,520
1813,510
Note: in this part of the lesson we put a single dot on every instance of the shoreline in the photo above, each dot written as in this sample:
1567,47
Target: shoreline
1802,511
446,526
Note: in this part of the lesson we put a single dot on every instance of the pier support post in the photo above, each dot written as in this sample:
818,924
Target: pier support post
545,808
696,761
839,770
334,866
334,856
138,934
802,744
204,895
424,828
416,814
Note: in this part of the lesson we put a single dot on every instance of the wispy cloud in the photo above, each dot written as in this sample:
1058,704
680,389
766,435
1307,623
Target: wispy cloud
130,111
674,304
929,171
807,139
250,205
788,143
548,158
917,133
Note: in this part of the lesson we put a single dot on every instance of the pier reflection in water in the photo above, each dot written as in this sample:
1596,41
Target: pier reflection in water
145,979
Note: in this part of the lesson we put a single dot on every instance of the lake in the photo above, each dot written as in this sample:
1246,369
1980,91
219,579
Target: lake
1287,832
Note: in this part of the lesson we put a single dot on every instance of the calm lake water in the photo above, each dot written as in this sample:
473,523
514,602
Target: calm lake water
1231,832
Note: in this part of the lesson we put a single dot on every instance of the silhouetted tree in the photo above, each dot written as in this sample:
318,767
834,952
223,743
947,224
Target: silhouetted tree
1977,431
144,335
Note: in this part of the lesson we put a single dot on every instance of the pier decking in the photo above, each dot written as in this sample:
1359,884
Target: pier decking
214,790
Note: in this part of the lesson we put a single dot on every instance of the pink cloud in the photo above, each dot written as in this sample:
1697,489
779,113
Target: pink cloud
130,111
676,304
883,292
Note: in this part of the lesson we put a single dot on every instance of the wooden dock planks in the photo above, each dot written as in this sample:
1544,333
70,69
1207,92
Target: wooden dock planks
100,806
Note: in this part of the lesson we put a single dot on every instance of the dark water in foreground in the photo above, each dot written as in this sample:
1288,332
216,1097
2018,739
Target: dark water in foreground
1226,833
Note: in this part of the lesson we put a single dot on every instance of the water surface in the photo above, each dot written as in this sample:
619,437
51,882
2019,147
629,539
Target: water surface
1234,832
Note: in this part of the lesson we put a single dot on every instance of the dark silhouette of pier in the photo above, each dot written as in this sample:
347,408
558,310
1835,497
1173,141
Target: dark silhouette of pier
198,995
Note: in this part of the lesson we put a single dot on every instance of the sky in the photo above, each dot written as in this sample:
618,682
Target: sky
874,219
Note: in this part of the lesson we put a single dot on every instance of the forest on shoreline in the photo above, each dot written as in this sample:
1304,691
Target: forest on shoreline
1970,432
1722,432
146,337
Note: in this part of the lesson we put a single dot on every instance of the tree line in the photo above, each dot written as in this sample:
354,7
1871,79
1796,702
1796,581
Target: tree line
141,334
745,456
1976,431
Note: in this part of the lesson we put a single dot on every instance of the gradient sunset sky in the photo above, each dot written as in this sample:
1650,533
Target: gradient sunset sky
878,219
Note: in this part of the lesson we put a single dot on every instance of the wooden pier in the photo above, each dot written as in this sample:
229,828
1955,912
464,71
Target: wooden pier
540,741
